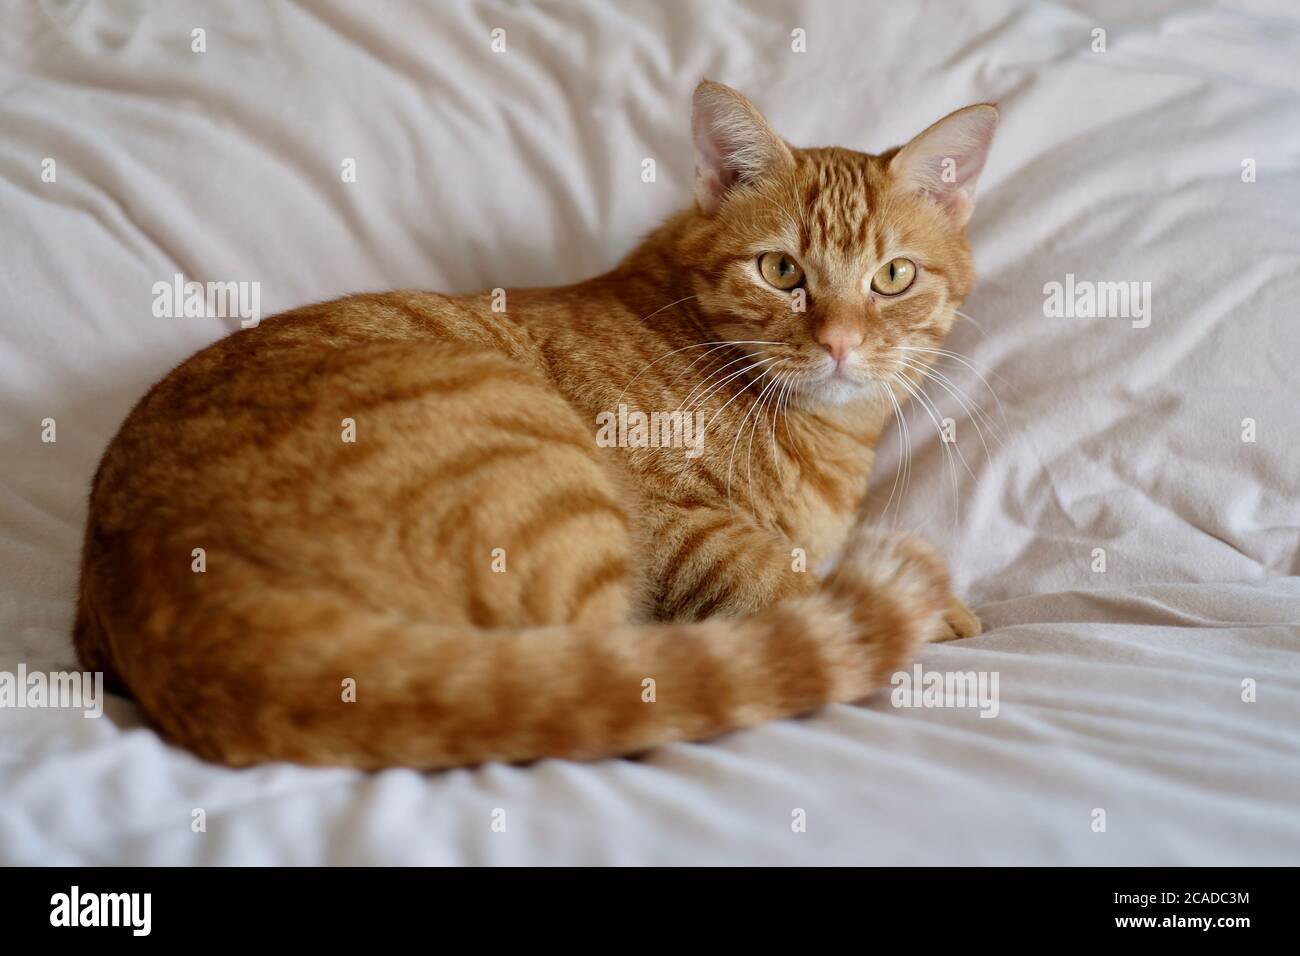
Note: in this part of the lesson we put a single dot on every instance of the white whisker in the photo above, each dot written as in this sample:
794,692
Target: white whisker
716,347
776,414
709,378
937,417
749,455
905,442
785,419
972,412
704,431
921,398
898,467
698,345
971,321
970,365
714,390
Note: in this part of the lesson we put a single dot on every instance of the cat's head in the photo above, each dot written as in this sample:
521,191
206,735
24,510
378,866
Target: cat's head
837,267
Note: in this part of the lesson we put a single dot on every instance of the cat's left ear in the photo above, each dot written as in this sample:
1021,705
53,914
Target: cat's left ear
733,144
946,160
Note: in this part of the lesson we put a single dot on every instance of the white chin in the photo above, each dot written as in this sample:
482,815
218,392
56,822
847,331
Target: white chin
838,391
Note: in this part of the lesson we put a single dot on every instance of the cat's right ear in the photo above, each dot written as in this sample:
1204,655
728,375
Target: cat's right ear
733,144
944,162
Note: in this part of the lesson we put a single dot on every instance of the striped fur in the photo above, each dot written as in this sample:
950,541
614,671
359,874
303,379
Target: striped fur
646,596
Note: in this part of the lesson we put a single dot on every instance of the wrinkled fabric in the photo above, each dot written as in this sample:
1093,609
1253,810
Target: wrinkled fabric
1133,557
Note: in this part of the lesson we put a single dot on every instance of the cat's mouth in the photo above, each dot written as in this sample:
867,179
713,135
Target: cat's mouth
851,370
823,379
838,382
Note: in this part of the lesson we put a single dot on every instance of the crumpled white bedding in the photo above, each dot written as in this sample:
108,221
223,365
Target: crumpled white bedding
1163,690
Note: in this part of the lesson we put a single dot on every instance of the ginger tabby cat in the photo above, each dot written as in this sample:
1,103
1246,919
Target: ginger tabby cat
497,584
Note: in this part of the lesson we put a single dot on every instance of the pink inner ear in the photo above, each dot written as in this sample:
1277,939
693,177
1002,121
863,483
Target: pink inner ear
713,174
946,160
733,143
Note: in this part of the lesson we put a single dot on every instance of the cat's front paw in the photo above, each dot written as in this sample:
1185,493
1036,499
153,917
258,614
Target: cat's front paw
959,622
901,569
907,568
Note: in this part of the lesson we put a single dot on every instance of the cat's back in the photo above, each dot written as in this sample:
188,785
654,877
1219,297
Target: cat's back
229,406
348,428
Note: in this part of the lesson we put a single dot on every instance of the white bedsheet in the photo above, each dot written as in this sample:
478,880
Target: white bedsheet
1120,690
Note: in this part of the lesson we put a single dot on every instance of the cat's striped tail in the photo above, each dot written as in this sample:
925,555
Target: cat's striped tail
355,687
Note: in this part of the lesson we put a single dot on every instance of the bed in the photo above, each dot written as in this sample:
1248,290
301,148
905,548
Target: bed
1125,518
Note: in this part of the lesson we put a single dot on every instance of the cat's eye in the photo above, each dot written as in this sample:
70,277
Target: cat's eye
894,277
780,270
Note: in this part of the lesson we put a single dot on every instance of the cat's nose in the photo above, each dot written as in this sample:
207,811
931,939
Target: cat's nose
839,339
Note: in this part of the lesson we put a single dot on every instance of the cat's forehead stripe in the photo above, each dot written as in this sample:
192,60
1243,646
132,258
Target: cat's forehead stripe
838,197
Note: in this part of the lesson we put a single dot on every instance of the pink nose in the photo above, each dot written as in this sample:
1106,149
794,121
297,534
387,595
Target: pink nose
840,340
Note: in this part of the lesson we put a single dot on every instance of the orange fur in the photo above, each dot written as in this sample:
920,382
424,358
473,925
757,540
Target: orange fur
376,560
